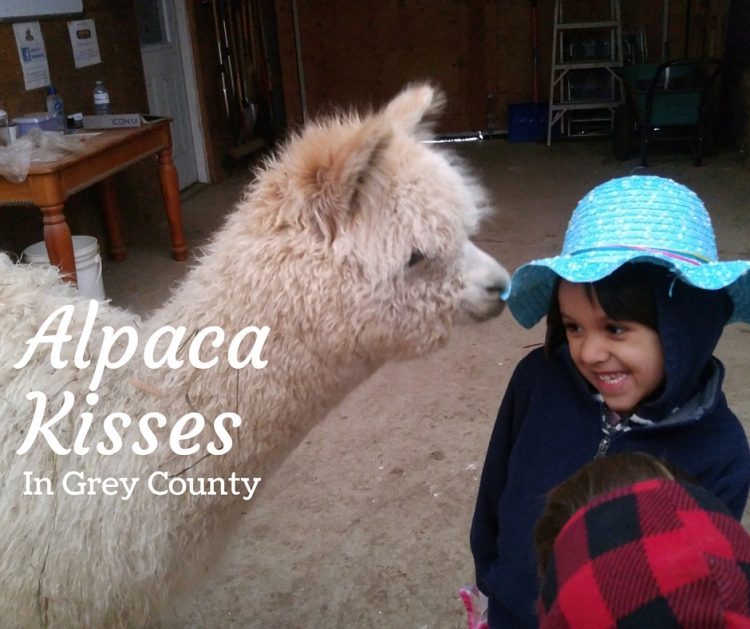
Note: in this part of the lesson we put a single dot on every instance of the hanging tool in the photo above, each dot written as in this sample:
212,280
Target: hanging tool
227,52
222,70
665,33
535,49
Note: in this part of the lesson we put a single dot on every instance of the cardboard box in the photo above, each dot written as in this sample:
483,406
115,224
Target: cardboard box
118,121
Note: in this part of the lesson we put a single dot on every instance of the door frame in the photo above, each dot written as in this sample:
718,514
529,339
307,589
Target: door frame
191,89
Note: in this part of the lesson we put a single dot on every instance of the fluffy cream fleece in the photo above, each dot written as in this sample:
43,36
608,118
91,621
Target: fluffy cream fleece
351,245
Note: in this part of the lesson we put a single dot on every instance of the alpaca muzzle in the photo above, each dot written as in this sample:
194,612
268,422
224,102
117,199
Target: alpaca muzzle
485,282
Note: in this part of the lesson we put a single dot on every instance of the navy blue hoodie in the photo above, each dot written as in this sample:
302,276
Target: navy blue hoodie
550,424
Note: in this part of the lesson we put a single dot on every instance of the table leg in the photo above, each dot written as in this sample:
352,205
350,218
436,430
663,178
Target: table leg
58,241
108,197
170,191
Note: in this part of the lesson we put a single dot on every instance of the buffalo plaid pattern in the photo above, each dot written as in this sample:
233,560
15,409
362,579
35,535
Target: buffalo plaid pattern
654,554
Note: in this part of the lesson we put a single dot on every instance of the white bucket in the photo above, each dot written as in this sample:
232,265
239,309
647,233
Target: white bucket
88,264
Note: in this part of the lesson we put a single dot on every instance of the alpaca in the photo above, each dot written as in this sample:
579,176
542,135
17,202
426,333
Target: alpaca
350,248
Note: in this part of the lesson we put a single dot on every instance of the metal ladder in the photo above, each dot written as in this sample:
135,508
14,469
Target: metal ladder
575,62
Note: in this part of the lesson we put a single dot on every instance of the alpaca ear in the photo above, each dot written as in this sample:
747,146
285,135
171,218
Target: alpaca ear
413,109
350,168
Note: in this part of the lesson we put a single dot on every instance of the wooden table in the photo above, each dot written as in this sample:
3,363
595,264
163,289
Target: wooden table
49,184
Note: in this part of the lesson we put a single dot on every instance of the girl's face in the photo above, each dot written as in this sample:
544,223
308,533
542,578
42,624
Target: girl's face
623,360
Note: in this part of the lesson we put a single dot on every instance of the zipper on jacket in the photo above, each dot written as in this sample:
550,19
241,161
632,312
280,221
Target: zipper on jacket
609,434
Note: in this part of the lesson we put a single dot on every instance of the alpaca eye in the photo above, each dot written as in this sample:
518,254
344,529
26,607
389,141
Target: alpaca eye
416,257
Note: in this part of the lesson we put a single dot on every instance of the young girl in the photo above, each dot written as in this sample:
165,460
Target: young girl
635,305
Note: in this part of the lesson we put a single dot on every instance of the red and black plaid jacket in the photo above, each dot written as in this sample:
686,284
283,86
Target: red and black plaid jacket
655,554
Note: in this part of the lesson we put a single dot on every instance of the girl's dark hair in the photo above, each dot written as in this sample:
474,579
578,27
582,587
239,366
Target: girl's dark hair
596,478
627,294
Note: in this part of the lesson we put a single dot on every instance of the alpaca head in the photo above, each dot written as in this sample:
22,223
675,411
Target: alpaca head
372,227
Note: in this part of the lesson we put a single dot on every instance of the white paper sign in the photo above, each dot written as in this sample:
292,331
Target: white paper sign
84,42
32,54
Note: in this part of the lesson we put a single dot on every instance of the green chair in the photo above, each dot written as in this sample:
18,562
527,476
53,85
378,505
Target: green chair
672,100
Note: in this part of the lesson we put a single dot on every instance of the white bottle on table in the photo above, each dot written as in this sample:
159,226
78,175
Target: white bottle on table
101,100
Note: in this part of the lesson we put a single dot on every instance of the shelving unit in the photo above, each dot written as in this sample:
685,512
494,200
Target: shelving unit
585,87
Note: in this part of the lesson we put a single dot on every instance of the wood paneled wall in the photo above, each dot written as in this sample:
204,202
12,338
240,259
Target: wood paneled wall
353,53
478,51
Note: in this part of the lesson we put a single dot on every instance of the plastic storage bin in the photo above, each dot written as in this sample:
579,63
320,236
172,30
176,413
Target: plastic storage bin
39,120
527,122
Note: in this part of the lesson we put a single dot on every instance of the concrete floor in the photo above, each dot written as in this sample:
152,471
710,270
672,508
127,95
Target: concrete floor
367,523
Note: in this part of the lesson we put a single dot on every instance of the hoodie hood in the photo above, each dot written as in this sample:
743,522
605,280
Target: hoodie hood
690,322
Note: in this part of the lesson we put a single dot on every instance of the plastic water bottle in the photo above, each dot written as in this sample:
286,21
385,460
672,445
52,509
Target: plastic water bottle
101,100
56,108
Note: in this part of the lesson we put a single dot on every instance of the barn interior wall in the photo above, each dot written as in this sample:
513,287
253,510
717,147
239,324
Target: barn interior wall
478,51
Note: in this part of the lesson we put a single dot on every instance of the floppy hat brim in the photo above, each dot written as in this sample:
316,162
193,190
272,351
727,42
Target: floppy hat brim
532,284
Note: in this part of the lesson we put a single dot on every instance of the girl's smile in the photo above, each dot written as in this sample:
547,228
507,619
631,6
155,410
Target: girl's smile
623,360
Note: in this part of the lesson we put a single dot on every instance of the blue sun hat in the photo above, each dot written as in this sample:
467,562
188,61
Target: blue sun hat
633,219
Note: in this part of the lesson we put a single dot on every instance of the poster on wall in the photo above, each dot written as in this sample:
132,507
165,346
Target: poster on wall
84,42
32,54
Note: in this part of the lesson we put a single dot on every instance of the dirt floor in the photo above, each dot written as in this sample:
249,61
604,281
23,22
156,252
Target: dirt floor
366,524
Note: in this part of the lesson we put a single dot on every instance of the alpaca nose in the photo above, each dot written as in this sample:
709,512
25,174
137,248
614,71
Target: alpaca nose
500,288
485,281
498,282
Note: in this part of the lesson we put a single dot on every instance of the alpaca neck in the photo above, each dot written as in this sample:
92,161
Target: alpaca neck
307,372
